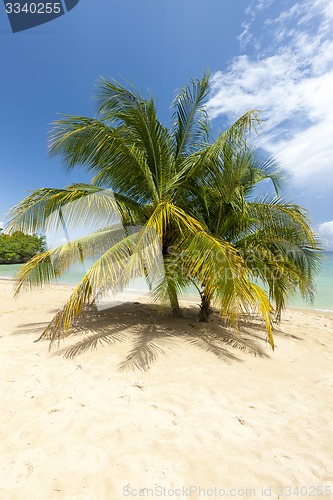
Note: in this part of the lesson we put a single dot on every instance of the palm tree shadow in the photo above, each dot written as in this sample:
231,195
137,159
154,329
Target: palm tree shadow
281,333
152,333
30,328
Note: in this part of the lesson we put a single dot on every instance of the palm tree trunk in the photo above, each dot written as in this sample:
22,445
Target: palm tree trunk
175,308
172,293
171,288
205,309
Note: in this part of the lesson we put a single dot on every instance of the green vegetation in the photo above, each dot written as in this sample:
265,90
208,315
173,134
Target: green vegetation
19,247
196,194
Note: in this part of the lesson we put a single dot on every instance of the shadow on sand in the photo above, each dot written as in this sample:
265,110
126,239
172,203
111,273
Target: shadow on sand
151,332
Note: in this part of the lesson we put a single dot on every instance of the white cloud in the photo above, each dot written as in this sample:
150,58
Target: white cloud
325,232
255,7
291,83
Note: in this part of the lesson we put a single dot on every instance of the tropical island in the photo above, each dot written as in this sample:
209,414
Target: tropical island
18,247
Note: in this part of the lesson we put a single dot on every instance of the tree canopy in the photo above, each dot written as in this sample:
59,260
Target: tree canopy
19,247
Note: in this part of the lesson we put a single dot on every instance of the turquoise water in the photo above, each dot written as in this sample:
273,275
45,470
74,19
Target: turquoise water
72,277
8,270
324,282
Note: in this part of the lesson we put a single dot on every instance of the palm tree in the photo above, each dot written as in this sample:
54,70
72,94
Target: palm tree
162,181
273,236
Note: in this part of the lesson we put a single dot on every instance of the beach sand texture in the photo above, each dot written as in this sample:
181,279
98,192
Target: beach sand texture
76,427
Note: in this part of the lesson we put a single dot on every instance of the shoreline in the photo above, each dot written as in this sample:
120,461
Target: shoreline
185,298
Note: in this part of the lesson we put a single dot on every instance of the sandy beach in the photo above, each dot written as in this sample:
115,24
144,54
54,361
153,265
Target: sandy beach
89,422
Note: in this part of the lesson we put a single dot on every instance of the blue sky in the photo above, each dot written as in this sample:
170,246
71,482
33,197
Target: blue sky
272,55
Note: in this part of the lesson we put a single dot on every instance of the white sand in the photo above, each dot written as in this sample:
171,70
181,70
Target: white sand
78,428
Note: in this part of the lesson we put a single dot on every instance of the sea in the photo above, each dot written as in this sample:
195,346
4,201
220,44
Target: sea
323,298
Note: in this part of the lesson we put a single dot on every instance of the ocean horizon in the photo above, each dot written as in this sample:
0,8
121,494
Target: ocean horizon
324,284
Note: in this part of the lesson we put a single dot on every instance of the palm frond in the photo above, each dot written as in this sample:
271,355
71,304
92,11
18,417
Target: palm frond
138,117
84,141
115,102
80,205
273,212
207,158
46,267
190,117
221,269
114,155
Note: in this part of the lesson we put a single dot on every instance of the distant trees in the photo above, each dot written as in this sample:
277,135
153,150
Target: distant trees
19,247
